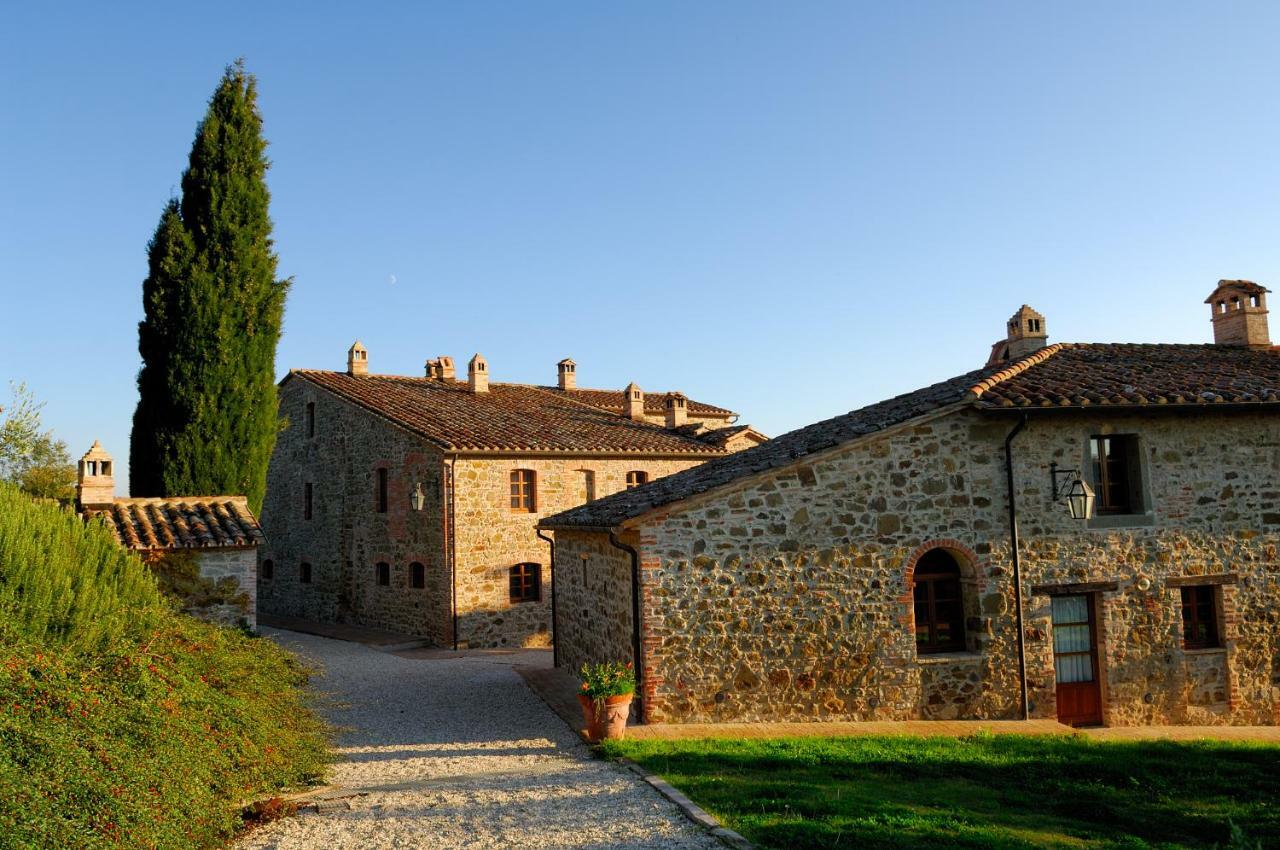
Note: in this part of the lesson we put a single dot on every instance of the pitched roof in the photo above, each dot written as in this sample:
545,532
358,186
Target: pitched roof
509,417
1059,376
183,522
615,400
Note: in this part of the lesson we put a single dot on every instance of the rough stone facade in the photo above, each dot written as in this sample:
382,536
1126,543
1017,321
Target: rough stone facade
240,566
788,594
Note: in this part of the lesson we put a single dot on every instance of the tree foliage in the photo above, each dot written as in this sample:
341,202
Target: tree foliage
31,457
213,310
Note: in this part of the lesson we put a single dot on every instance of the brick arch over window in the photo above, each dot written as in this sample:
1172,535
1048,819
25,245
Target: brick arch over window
941,607
965,557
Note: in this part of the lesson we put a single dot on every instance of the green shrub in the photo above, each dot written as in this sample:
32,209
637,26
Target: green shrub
123,722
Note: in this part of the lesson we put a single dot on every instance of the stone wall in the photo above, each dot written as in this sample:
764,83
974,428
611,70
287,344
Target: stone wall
491,537
346,535
593,599
788,595
240,566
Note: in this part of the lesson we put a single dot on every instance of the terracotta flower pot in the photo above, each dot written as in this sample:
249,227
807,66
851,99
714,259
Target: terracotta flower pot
607,719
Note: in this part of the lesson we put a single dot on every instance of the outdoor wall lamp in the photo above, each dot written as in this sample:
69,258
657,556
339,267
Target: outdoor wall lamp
1075,490
418,498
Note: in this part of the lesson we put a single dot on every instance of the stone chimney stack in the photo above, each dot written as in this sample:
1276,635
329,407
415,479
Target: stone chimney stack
1240,314
95,478
634,404
447,372
478,374
357,359
432,370
677,410
1026,333
568,374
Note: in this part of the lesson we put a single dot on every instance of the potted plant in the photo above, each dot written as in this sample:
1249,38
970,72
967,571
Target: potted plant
607,689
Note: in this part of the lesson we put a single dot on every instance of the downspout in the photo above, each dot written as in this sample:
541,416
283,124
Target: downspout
637,662
1017,565
551,574
451,546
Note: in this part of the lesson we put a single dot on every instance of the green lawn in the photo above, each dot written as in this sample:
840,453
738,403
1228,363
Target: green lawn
1000,791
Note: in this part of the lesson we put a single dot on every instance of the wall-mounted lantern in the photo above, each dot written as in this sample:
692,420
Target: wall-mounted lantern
418,498
1074,490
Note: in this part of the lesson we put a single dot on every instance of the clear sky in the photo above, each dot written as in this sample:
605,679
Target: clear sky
790,209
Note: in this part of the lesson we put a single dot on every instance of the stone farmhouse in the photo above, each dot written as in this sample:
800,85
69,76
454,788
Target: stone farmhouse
219,533
410,503
1080,531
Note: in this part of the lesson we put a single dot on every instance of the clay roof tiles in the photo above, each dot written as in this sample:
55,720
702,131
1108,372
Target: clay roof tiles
1115,376
186,522
509,417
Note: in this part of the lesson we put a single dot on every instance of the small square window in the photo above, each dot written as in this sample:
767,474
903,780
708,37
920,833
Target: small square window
1117,474
383,571
1200,617
268,571
526,583
636,477
524,490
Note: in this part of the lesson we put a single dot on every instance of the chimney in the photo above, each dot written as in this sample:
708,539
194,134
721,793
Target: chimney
634,404
478,375
95,479
357,359
677,413
1026,335
432,370
1239,310
568,374
447,372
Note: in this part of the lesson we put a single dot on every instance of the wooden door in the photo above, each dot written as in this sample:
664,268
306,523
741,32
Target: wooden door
1075,660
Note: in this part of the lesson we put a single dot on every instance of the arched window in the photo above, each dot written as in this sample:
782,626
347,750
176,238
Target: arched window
526,583
268,571
417,576
939,604
524,490
383,571
636,477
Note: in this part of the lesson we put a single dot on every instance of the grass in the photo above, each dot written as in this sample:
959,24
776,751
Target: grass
984,791
124,723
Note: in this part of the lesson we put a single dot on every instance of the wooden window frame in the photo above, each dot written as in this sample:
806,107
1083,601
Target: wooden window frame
1199,604
524,491
382,574
637,478
1117,476
929,582
525,583
382,490
417,575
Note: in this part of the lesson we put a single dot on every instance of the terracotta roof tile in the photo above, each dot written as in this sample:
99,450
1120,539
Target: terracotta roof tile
1059,376
509,417
615,400
186,522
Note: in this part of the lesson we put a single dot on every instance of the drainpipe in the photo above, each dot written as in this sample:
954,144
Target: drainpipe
551,574
1017,564
635,621
451,546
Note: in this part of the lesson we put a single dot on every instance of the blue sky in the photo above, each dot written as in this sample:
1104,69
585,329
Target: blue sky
791,209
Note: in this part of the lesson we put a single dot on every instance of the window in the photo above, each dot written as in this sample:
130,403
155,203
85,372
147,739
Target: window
526,583
383,571
417,576
306,501
382,490
637,477
304,573
588,486
311,419
106,467
268,571
1117,475
524,490
1200,617
939,605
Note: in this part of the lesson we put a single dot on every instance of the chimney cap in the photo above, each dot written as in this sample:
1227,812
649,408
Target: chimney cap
1246,286
568,361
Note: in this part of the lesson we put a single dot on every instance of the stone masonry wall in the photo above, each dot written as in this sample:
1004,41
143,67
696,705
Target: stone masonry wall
593,595
491,537
346,535
240,565
788,596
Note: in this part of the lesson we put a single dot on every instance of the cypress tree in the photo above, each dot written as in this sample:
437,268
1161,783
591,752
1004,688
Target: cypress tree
213,309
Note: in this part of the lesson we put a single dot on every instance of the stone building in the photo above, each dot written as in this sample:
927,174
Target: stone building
410,503
218,533
921,558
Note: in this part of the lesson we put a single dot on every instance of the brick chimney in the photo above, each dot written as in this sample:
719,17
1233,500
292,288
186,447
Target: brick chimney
568,374
357,359
634,404
478,374
95,478
1240,314
1025,335
676,408
441,368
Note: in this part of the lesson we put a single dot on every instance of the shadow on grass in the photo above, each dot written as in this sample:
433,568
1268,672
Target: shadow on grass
985,791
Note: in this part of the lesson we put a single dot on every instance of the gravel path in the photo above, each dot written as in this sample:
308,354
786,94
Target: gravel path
458,752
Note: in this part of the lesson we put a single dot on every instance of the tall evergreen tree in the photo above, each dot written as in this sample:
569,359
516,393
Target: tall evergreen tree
213,309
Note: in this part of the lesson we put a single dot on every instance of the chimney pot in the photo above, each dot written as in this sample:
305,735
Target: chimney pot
478,374
634,403
677,410
1239,311
357,359
567,374
95,478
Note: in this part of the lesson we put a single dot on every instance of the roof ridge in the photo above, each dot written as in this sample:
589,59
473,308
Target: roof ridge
975,392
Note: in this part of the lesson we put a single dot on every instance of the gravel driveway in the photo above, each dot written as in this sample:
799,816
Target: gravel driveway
458,752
